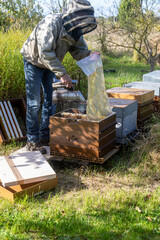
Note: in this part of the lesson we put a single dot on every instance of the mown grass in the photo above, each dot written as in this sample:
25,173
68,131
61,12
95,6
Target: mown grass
85,214
118,200
126,70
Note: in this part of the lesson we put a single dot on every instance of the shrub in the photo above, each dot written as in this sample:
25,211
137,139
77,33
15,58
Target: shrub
12,81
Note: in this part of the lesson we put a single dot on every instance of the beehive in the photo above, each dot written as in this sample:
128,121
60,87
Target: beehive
143,97
126,118
81,138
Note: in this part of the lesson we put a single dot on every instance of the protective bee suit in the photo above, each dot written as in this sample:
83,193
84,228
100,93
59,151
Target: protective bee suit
43,53
57,34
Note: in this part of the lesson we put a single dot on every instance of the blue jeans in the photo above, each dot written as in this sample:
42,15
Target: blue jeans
35,78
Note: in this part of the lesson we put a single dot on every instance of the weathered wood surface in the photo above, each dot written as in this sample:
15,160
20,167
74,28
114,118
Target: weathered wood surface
79,124
24,167
9,126
20,134
14,192
83,152
145,112
99,160
11,119
4,128
80,136
145,85
82,139
6,118
142,96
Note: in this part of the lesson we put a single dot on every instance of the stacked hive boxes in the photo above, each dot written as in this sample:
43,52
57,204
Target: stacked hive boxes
126,118
154,78
151,81
82,138
143,97
25,172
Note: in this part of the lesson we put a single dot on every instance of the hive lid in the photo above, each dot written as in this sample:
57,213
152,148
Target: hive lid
141,95
152,76
24,167
123,107
145,85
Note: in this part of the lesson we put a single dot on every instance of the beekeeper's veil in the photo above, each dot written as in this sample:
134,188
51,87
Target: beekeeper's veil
79,18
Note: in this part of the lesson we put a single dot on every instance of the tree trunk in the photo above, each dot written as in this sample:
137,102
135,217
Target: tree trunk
152,62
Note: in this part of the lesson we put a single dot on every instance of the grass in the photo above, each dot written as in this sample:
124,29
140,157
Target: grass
116,200
126,71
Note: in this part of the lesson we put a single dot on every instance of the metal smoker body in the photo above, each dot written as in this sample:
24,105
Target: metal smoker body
63,94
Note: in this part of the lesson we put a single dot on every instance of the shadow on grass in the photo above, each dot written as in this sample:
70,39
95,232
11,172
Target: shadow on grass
68,174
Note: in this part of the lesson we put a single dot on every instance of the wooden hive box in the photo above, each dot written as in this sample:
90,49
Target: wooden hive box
126,117
143,97
23,167
156,104
25,172
31,189
81,137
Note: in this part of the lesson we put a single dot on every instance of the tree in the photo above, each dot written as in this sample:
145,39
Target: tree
102,33
56,6
21,13
138,24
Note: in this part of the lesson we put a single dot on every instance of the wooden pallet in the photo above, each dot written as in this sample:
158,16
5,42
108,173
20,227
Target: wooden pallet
101,160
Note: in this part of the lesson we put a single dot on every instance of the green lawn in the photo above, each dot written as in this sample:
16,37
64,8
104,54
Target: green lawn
117,200
126,71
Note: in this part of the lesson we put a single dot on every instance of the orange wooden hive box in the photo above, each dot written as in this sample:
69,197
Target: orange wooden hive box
82,138
143,97
31,189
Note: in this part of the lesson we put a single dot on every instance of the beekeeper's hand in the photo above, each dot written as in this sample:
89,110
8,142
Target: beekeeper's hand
66,80
95,52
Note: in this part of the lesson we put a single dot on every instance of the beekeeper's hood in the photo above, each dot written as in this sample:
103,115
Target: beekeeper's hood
79,18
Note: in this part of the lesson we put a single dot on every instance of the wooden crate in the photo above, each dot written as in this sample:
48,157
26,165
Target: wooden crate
82,137
31,189
12,126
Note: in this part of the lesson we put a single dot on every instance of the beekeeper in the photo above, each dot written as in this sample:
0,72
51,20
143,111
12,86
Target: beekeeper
43,53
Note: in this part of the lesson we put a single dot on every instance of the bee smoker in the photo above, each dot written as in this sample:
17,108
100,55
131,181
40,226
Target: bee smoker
61,94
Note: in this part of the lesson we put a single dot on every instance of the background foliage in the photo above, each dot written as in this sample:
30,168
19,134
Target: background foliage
12,81
19,14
